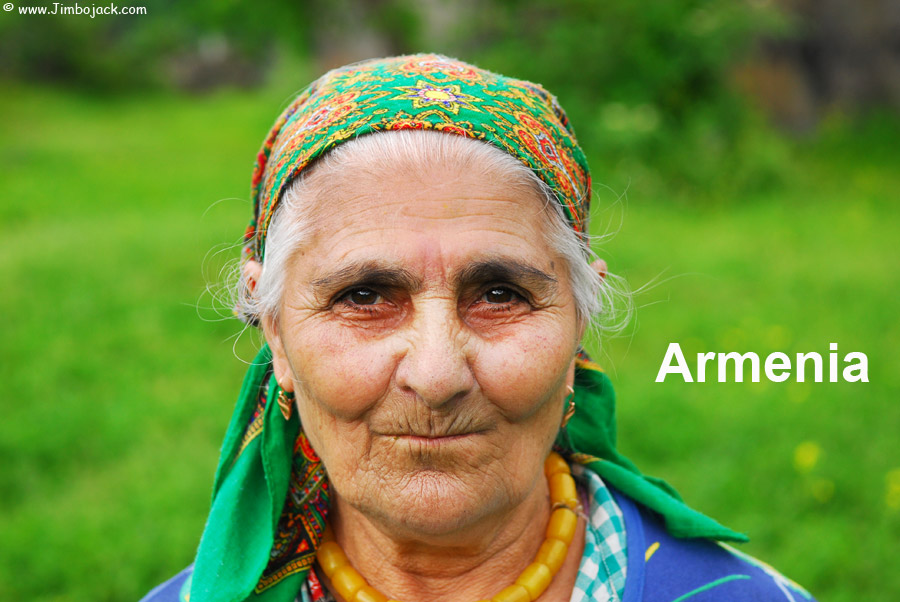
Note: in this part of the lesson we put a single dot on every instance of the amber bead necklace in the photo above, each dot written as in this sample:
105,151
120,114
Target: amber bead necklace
533,581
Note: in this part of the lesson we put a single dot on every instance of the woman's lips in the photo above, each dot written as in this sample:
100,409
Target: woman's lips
432,440
426,439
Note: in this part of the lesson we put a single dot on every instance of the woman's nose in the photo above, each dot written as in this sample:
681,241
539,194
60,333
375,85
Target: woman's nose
436,364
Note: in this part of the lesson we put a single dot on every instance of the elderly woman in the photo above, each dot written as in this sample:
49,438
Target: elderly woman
422,424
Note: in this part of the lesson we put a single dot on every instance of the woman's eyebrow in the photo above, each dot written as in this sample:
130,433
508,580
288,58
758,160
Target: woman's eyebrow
367,272
507,270
476,273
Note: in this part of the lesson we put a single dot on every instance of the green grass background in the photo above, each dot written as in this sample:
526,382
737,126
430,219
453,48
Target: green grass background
116,388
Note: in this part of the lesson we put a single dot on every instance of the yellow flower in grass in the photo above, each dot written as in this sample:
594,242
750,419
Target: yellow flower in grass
806,456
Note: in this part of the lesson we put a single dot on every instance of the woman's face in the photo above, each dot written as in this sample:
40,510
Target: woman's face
429,333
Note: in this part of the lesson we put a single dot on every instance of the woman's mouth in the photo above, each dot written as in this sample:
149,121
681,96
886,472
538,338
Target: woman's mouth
433,440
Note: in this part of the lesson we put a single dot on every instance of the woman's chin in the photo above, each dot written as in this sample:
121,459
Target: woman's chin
435,504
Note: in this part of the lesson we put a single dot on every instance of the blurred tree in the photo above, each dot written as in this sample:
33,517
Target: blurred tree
192,45
838,55
645,81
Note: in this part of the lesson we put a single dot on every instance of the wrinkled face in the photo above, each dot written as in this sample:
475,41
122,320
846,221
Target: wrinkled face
429,333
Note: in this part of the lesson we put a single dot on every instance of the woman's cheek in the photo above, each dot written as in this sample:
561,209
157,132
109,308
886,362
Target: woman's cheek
519,373
346,375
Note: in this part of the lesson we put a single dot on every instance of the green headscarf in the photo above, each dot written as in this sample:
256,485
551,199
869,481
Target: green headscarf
271,493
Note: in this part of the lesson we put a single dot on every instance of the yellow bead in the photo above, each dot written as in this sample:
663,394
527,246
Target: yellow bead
555,464
347,581
513,593
535,578
562,490
331,557
367,593
562,525
552,553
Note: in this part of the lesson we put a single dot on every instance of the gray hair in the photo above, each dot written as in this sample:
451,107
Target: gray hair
602,304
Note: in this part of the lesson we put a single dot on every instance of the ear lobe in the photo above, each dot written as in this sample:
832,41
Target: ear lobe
280,364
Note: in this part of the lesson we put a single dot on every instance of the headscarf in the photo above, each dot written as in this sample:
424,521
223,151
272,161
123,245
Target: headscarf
271,492
420,92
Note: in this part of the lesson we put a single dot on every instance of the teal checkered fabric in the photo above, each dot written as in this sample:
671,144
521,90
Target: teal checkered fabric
601,576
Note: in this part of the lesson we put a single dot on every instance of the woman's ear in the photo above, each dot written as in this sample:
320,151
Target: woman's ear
599,266
570,375
281,366
252,270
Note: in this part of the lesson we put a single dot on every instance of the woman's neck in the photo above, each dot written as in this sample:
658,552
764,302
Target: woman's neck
471,564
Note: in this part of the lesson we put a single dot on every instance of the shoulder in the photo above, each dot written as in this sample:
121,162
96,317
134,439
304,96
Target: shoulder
702,570
173,590
698,570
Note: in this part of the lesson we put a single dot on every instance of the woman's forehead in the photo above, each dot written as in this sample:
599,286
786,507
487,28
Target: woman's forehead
431,206
426,225
388,183
431,193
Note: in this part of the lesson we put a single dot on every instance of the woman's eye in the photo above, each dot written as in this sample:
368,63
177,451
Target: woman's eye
363,296
499,295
